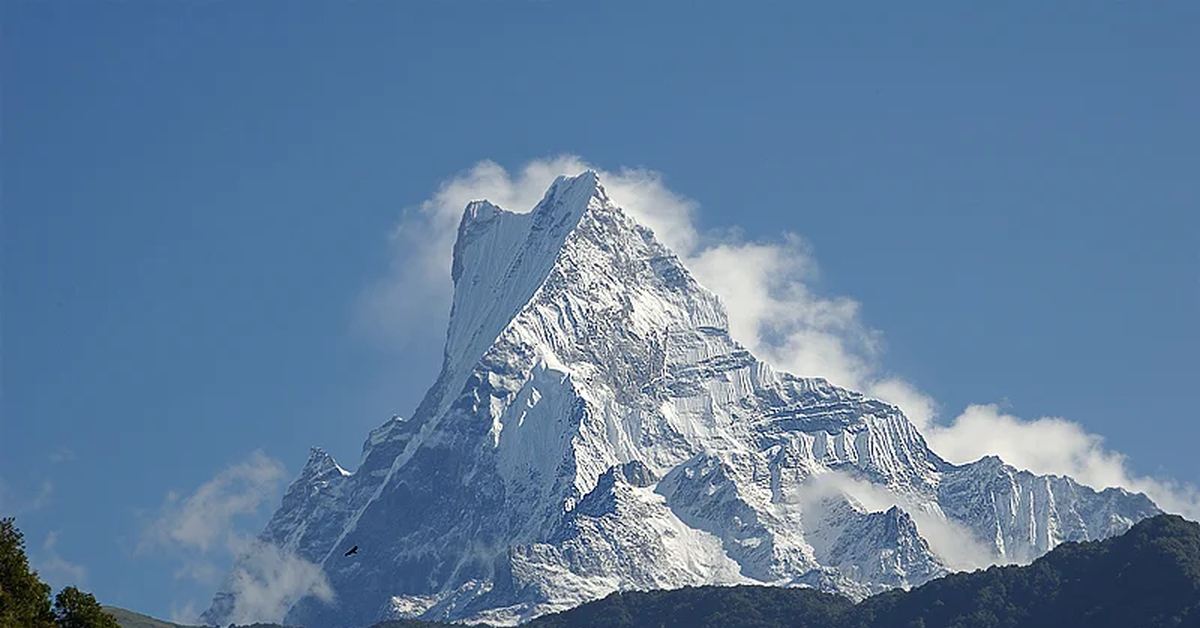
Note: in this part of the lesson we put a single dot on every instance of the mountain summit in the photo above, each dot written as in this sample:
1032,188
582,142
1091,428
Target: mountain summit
594,428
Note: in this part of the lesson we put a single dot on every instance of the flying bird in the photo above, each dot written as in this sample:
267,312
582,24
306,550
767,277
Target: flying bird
353,550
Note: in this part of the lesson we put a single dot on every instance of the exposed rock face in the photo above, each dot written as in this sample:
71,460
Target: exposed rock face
595,428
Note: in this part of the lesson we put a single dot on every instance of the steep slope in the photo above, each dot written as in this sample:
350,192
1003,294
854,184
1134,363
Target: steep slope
594,428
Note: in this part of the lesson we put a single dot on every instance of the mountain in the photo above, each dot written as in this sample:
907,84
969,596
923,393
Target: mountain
130,619
594,428
1148,577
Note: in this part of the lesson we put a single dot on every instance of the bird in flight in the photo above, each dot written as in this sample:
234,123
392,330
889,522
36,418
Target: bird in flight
353,550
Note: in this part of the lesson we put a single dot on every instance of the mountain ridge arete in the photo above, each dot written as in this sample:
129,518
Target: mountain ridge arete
594,428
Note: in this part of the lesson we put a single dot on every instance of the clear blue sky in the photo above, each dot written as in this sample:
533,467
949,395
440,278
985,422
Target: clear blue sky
195,193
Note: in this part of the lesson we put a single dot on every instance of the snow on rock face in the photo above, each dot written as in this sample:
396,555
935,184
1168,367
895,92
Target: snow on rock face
883,550
1022,516
594,428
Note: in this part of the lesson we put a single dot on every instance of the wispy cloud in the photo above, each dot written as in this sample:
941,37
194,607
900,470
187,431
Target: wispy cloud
202,532
766,287
1052,445
204,518
56,570
186,614
63,454
13,502
953,543
267,581
42,499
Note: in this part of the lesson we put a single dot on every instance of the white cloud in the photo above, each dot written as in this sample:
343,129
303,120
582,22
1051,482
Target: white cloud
1051,445
56,570
186,615
765,286
919,407
201,531
772,310
63,454
206,516
1048,445
268,581
953,543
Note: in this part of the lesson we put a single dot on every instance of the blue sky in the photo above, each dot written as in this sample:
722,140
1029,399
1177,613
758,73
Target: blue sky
196,195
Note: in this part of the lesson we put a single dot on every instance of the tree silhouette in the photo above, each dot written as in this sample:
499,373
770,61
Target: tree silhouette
25,599
76,609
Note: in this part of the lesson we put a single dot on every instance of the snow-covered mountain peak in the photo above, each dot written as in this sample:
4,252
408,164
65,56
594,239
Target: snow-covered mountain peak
500,259
487,229
595,428
565,201
320,462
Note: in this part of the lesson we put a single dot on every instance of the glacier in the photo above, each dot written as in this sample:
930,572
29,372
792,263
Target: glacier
595,428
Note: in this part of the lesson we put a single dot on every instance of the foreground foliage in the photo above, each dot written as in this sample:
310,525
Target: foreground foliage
1149,576
25,599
